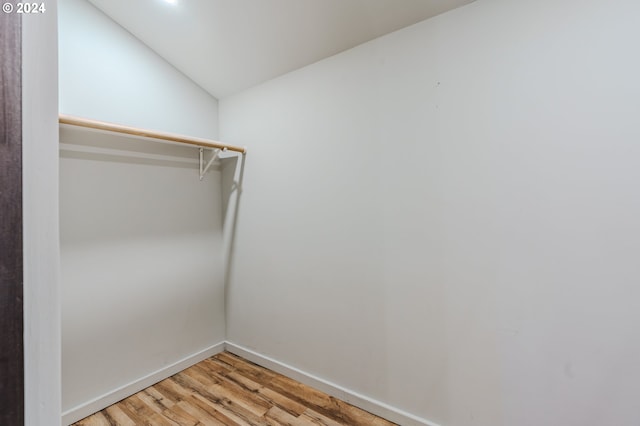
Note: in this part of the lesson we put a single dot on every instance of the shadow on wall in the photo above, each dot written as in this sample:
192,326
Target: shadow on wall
232,177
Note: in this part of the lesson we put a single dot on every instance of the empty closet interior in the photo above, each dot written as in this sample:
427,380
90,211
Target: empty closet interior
143,255
435,221
144,233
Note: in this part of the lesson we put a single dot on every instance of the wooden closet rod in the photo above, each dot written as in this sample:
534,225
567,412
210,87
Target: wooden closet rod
133,131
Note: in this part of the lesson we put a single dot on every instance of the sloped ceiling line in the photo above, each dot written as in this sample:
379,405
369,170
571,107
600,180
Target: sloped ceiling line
226,46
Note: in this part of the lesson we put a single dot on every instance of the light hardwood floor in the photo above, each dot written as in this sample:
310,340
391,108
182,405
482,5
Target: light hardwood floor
230,391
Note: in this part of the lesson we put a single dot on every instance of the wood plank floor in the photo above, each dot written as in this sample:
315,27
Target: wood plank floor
230,391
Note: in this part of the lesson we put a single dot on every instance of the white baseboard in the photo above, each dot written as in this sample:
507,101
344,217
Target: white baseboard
97,404
368,404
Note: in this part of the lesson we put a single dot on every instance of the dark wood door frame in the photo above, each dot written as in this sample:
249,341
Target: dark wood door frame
11,272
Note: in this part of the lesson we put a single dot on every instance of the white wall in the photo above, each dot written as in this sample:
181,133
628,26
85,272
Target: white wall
142,270
141,236
107,74
445,219
40,207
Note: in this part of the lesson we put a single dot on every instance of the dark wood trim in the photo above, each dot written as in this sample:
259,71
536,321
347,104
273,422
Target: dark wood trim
11,273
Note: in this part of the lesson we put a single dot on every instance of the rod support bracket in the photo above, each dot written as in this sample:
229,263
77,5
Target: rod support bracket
204,168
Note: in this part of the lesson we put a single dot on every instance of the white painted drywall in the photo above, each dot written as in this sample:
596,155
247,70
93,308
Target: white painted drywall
228,46
40,216
140,236
107,74
142,272
446,219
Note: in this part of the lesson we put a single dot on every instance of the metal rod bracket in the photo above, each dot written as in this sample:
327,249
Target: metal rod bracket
214,156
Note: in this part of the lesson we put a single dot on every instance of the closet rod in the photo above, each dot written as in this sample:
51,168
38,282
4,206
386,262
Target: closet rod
133,131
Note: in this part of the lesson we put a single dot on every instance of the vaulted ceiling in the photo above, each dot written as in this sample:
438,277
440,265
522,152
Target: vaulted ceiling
226,46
